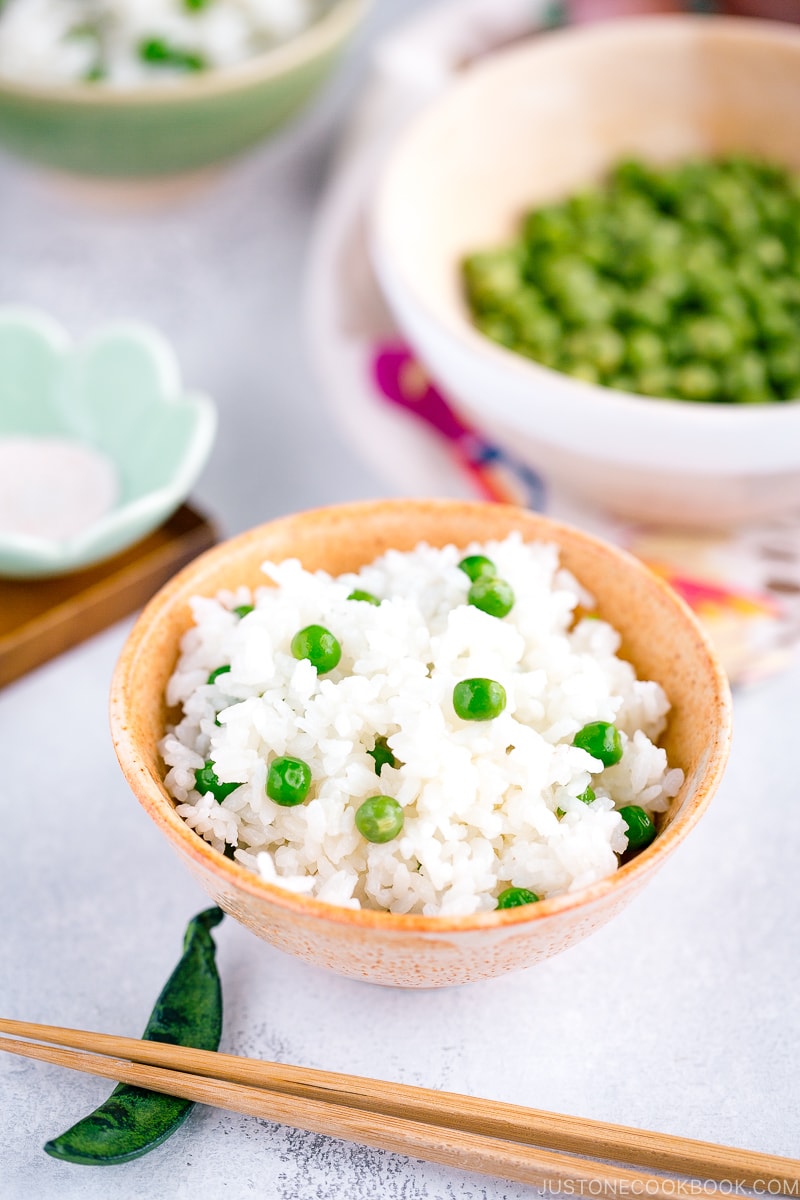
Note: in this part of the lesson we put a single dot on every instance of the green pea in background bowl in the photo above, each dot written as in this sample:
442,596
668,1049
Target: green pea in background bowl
173,127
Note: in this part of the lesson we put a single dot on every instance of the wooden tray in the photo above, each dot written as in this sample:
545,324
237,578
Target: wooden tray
40,618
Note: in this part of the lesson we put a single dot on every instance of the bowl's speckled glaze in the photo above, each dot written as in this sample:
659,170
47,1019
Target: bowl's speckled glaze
660,636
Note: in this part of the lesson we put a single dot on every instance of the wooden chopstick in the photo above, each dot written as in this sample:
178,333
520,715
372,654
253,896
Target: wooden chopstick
450,1147
484,1119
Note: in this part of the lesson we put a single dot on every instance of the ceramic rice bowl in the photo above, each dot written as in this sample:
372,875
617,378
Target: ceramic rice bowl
660,637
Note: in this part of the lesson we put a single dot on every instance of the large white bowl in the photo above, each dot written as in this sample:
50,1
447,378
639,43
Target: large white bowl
533,124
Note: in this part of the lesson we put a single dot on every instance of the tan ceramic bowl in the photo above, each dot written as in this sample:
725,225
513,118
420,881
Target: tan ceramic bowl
531,125
660,636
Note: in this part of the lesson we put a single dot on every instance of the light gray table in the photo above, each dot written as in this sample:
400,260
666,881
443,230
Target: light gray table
682,1015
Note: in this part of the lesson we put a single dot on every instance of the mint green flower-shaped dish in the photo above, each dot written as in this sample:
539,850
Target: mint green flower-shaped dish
119,395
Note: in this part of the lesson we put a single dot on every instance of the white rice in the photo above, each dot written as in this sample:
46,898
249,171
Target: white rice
63,41
487,805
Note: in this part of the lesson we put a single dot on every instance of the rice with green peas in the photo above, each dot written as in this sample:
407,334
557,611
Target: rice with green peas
132,42
485,805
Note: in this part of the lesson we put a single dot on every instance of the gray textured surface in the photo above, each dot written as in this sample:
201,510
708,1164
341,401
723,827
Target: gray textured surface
682,1015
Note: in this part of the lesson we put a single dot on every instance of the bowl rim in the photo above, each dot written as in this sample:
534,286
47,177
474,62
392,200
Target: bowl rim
161,808
329,29
455,325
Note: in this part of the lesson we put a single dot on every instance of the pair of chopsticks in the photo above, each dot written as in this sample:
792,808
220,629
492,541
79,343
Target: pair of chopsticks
526,1145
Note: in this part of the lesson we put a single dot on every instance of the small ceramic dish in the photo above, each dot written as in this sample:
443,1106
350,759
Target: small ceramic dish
660,637
531,125
110,415
162,129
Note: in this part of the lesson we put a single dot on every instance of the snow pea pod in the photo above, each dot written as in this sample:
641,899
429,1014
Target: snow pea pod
187,1013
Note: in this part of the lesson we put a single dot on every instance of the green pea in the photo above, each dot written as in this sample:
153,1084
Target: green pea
623,383
587,796
648,306
498,329
187,1013
515,897
639,826
549,227
365,597
379,819
540,332
745,379
585,371
774,321
214,676
477,566
599,345
697,381
770,253
601,740
205,780
491,275
784,368
243,610
382,755
288,781
479,699
319,646
190,61
492,596
655,381
159,53
154,50
710,338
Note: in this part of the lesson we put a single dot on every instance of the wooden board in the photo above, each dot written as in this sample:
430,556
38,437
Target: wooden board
40,618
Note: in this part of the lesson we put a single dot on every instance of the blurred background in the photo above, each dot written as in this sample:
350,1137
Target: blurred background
258,274
219,270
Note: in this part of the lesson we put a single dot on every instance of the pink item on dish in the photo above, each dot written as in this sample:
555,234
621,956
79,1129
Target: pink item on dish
598,10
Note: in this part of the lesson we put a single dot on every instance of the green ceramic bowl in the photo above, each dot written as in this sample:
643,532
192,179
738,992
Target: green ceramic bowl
119,395
164,129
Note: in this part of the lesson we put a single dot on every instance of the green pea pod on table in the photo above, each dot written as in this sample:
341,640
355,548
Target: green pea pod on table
187,1013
